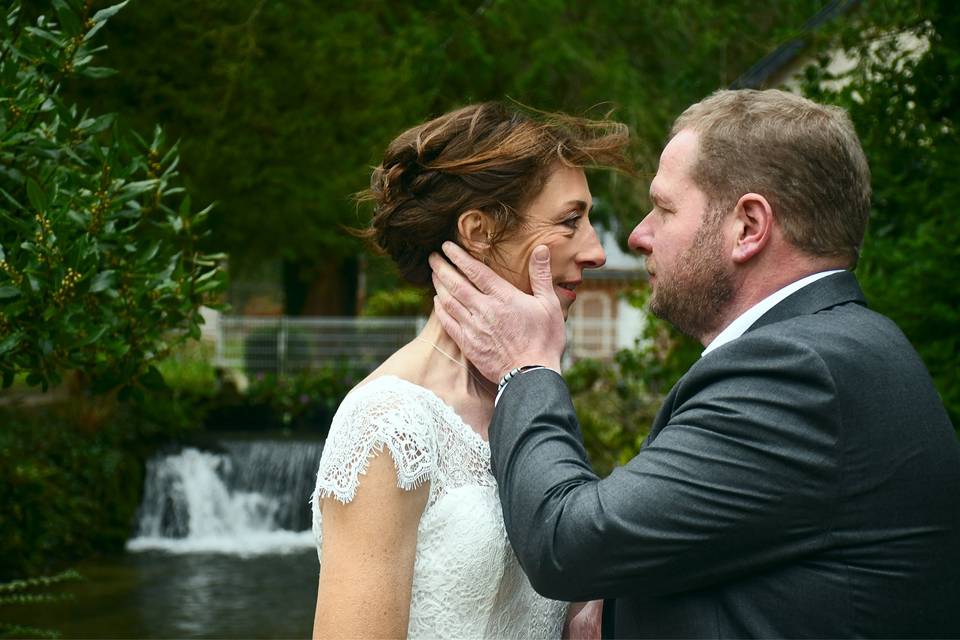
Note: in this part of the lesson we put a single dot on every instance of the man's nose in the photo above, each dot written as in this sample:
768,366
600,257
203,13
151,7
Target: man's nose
641,238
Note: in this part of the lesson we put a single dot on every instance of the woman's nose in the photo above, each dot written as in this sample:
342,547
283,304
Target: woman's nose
592,256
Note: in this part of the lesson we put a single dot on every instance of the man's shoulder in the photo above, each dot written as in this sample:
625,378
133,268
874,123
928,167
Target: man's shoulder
840,331
856,355
827,348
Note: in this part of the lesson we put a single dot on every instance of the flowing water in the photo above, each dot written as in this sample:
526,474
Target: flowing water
222,549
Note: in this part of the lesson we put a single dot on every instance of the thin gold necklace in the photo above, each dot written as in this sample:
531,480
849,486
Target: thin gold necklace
456,362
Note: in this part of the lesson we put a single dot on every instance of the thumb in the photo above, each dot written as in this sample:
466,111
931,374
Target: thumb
541,278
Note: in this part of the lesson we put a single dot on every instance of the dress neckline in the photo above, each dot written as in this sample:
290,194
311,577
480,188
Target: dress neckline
457,420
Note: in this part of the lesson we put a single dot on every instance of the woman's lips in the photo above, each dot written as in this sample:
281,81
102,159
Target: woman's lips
567,290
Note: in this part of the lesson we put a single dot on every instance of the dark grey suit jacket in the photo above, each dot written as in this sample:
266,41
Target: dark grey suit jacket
802,480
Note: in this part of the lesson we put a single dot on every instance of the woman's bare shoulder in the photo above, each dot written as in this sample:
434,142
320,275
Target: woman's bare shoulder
400,365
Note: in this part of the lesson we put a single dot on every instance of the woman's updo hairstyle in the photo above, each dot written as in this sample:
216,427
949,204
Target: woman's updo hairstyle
488,157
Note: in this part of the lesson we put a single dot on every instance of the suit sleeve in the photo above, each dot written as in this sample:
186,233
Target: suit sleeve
741,476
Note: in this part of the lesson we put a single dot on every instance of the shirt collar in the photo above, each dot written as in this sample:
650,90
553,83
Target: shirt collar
746,319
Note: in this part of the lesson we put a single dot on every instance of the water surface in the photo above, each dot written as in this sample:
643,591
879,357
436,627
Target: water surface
199,595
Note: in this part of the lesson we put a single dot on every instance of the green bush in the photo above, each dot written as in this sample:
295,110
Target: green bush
305,399
405,301
189,369
615,409
617,401
68,493
100,266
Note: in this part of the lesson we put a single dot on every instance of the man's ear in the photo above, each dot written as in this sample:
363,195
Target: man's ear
753,226
475,229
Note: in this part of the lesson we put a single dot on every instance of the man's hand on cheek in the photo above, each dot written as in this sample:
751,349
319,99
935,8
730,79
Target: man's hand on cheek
497,326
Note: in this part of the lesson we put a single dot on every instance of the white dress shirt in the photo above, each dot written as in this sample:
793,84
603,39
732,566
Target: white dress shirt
744,321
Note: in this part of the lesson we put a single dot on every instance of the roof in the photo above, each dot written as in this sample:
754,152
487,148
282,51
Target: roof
759,74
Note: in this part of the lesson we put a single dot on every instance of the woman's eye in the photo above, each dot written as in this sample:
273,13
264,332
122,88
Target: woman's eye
573,222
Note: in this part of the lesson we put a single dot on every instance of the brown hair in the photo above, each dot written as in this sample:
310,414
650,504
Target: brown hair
487,157
805,158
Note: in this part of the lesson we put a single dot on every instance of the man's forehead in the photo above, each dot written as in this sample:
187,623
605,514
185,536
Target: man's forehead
681,151
676,164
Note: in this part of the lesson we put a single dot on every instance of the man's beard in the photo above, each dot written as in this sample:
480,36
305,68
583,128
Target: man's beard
694,298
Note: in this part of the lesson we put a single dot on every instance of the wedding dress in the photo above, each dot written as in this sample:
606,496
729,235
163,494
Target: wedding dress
467,582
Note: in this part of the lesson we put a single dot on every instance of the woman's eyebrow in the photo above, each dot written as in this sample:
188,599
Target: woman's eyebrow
577,204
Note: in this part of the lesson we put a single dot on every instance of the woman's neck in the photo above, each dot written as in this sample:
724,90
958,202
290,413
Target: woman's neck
434,333
447,357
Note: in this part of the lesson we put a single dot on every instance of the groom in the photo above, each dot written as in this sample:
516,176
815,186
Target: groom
802,478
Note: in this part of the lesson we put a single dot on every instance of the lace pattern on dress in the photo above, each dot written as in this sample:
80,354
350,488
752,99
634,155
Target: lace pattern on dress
467,582
416,427
362,429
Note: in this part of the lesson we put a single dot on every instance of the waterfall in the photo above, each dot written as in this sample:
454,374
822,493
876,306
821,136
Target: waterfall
250,497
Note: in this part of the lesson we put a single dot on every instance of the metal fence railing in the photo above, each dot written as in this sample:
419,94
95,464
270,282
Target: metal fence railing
285,345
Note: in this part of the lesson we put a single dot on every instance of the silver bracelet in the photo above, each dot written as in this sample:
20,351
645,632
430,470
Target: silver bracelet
513,372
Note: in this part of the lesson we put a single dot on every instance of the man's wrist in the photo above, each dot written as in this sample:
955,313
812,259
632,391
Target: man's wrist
516,371
509,375
529,363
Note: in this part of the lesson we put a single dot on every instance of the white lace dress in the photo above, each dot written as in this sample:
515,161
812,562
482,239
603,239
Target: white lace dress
467,582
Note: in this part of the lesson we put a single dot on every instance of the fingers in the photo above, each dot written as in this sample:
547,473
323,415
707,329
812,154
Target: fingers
482,277
453,281
451,306
451,326
541,278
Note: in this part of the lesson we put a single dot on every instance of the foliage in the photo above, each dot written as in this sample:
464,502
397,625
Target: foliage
617,401
614,411
904,98
68,493
18,592
405,301
100,270
285,106
188,369
305,399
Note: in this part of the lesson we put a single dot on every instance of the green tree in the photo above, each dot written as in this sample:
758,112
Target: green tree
100,266
285,105
904,97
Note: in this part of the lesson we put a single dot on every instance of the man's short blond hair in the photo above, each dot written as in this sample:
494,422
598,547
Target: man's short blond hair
803,157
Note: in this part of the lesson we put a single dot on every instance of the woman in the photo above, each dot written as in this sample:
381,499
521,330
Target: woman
408,523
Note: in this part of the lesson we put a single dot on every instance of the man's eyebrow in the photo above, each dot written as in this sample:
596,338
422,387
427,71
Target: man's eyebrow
658,199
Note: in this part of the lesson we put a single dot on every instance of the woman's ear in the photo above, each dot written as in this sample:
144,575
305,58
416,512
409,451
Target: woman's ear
476,231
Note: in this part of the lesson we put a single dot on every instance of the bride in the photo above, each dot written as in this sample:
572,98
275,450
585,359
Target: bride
408,524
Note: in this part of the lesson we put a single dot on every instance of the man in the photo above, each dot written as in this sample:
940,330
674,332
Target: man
803,478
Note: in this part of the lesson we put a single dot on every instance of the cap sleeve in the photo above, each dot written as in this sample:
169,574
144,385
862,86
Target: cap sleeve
374,418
